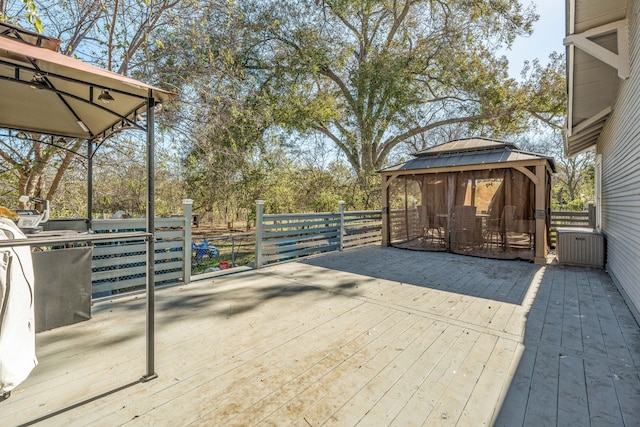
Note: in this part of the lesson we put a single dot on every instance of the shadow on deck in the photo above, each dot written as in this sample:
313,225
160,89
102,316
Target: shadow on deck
580,361
376,336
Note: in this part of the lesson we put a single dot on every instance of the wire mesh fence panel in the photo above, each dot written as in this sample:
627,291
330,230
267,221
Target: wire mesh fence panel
487,213
214,253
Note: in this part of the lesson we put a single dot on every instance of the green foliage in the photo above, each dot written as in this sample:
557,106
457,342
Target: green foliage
31,13
372,75
231,183
575,205
27,11
260,79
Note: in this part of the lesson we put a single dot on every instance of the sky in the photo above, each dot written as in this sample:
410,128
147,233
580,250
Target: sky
547,36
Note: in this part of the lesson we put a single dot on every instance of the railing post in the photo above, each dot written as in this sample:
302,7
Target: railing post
259,215
187,205
591,207
341,210
233,252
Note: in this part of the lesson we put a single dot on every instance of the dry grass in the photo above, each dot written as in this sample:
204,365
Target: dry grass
219,229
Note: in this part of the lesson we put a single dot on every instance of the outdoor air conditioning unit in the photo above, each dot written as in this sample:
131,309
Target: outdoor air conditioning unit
580,246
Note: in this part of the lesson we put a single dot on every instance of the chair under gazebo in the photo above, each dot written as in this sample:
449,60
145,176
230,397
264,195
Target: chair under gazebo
472,196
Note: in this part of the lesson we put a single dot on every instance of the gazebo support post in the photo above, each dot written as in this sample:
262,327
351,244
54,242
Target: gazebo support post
541,215
150,373
386,180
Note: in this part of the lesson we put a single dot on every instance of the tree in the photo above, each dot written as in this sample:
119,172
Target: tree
111,35
31,160
573,181
370,75
25,8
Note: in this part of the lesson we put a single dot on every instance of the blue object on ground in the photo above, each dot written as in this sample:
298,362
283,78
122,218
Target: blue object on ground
203,249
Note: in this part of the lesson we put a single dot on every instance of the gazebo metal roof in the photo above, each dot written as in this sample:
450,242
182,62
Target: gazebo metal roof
468,152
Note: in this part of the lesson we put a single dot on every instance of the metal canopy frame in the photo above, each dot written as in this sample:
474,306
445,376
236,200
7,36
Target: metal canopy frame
53,95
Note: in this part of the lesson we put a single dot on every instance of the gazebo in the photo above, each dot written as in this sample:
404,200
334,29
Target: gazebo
56,98
472,196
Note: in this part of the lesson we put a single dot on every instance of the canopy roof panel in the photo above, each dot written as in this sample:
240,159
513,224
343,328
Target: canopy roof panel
465,145
49,93
597,58
467,152
30,37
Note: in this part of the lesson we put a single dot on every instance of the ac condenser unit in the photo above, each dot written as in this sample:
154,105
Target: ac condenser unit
580,246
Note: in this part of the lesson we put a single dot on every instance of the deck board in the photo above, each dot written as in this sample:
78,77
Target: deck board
397,339
350,353
461,383
226,376
379,399
592,338
571,325
604,406
543,397
373,336
451,350
573,409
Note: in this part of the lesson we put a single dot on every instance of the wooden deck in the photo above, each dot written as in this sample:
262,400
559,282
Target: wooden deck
371,337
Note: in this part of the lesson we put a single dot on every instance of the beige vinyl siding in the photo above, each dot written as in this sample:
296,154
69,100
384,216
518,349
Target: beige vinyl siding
620,148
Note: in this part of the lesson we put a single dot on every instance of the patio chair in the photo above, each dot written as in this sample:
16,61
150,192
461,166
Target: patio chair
495,232
464,228
423,224
519,233
440,226
203,249
432,228
437,225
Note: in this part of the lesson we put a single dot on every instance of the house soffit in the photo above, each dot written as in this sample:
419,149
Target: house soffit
597,61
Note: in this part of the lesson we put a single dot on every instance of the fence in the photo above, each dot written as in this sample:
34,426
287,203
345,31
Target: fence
286,236
361,228
572,219
233,250
120,266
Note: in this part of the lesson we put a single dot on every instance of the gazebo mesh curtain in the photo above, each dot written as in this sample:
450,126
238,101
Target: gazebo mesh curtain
403,213
486,213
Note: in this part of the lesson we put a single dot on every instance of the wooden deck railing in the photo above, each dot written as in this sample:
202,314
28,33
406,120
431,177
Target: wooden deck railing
119,266
280,237
362,228
572,219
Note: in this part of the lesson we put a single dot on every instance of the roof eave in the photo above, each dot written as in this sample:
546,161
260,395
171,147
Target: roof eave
599,32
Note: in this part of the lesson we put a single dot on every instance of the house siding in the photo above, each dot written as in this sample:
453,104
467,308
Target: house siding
619,146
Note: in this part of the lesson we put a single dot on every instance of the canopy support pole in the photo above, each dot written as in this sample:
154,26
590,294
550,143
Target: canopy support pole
150,373
89,183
